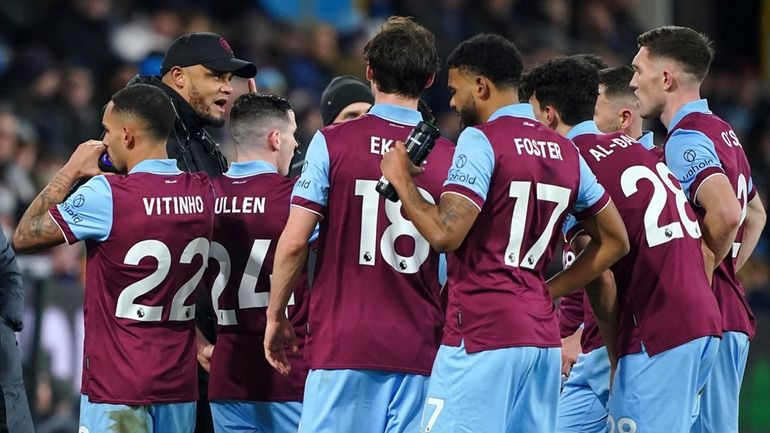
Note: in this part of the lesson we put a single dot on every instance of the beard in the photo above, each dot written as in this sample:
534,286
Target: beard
203,110
469,116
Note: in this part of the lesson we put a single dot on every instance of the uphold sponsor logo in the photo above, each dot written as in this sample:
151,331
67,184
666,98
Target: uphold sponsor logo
461,176
695,168
689,155
461,161
78,200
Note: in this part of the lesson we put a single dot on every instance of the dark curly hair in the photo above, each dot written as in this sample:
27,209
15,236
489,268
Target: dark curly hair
489,55
692,49
568,84
402,56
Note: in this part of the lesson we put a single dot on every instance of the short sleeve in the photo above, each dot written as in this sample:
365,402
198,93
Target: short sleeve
87,213
472,167
692,158
591,197
311,191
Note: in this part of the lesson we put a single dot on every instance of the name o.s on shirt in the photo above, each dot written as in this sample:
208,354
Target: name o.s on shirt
599,151
379,145
173,205
225,205
541,148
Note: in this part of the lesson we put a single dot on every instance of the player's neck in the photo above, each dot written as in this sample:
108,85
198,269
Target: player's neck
256,155
675,102
148,151
394,99
497,100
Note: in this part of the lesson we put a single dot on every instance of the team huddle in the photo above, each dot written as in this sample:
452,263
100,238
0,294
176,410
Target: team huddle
372,337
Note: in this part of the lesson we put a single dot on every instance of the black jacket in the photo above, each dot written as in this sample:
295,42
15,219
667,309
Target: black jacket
193,148
11,290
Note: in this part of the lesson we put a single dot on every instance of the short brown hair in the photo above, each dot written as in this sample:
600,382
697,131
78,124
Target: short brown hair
402,56
692,49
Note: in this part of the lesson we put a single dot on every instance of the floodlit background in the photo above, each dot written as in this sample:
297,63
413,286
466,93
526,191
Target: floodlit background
60,60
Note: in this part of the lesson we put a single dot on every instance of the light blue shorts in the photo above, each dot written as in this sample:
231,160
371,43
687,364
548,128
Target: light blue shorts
583,402
718,409
512,390
660,393
118,418
256,416
357,401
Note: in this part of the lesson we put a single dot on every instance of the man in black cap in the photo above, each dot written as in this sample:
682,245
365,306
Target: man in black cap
196,74
345,98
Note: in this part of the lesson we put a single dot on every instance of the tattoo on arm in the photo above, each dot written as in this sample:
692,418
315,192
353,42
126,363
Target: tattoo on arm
454,208
36,229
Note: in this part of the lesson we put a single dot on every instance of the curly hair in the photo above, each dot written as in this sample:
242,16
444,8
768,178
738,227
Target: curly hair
402,56
568,84
489,55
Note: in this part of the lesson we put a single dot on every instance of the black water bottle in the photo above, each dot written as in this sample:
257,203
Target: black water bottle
418,145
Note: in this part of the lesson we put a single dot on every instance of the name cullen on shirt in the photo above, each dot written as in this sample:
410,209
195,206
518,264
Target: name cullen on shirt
541,148
173,205
239,205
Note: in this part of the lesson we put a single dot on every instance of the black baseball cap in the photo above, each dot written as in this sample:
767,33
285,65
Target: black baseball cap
209,50
341,92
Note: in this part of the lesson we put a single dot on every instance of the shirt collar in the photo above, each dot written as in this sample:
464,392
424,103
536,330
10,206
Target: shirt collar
250,168
396,113
585,127
647,140
156,166
697,106
516,110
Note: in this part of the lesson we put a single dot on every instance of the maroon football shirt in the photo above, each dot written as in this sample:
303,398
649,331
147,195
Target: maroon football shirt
252,206
663,293
736,313
575,309
375,302
140,295
497,293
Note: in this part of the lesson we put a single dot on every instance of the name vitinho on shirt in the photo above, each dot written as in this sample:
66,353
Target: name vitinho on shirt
173,205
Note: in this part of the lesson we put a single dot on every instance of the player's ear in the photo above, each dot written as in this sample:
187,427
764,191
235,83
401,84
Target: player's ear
274,140
626,116
430,81
483,89
668,80
128,137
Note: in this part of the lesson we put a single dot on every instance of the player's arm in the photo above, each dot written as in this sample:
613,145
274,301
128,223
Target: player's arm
204,349
570,350
602,294
290,258
37,230
609,244
755,222
707,187
722,217
444,225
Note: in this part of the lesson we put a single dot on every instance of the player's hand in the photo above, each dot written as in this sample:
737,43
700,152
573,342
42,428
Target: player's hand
252,83
396,165
84,162
279,334
204,356
570,349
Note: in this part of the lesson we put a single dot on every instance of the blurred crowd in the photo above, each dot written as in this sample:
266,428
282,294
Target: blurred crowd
60,60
